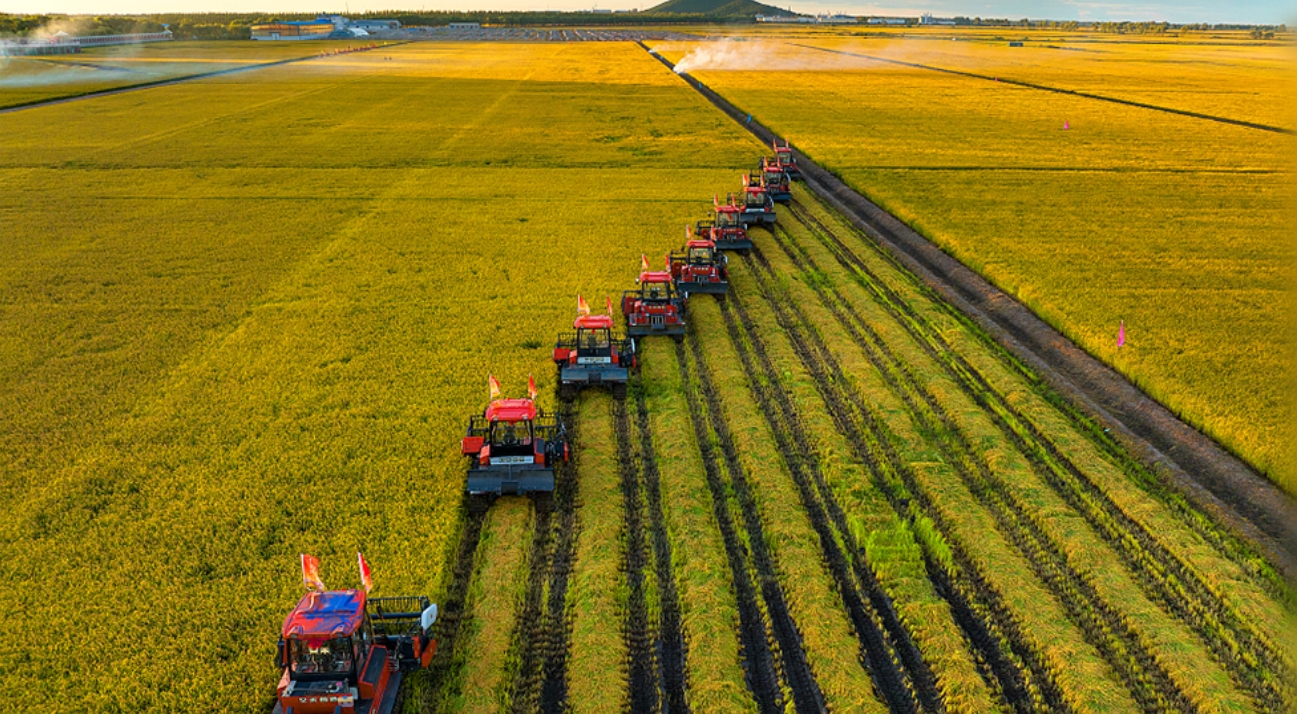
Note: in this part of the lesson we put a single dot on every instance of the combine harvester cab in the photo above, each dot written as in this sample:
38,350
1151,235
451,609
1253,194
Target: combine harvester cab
513,446
776,181
757,205
784,155
593,355
726,229
656,308
343,652
700,269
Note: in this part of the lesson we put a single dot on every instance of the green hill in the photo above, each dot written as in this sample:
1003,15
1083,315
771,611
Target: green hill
719,8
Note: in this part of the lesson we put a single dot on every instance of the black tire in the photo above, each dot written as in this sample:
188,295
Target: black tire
619,392
678,338
567,392
745,252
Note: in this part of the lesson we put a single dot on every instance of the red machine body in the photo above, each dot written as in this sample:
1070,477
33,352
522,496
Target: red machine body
784,155
656,308
343,652
758,206
593,355
775,180
700,269
513,447
726,229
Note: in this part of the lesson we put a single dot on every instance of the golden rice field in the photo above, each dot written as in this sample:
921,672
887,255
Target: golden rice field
247,317
1176,225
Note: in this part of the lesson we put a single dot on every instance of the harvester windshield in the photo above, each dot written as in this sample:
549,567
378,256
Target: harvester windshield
727,219
700,255
322,656
594,339
656,291
508,433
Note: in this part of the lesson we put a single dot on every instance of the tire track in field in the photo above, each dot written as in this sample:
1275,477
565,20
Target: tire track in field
670,646
796,669
887,651
1019,671
637,632
445,669
557,628
525,690
1056,90
1255,665
1117,640
763,675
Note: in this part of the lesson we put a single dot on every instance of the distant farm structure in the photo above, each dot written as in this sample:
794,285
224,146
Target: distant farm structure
321,28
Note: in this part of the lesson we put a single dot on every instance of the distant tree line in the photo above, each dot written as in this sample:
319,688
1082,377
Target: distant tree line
236,26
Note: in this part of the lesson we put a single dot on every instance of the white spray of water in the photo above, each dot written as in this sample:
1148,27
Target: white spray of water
738,54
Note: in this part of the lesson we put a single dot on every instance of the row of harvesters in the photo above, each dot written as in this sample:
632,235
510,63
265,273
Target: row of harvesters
343,652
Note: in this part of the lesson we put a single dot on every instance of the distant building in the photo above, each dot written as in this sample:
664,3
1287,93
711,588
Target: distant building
376,25
927,19
317,29
598,11
887,21
23,47
1015,43
465,25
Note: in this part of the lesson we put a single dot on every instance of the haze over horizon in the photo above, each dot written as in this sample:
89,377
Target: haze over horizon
1254,11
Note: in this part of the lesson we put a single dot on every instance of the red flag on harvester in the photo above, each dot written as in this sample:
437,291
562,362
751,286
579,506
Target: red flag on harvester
689,232
745,180
667,258
311,573
581,307
495,386
607,304
531,386
643,263
716,200
364,572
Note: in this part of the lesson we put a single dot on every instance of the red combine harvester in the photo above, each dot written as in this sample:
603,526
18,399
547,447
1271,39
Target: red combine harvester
700,268
343,652
776,181
784,155
513,446
655,308
758,207
593,355
726,229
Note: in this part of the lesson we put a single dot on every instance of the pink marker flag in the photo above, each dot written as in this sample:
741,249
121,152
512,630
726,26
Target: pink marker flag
1121,334
1066,125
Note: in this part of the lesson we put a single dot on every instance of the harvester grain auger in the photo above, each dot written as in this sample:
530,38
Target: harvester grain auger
726,229
784,155
700,268
655,307
775,180
757,205
513,446
593,354
344,652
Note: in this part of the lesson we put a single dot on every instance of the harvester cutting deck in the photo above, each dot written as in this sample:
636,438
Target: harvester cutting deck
775,181
700,269
726,229
784,155
343,652
513,446
758,207
593,355
656,308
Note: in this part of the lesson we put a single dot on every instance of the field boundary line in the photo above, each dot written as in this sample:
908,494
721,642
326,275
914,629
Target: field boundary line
38,103
1185,459
1056,90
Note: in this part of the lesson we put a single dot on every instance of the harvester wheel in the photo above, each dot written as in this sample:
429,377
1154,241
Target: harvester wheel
745,252
567,392
678,338
619,391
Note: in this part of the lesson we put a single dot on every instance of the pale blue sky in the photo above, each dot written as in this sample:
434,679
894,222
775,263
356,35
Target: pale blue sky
1251,11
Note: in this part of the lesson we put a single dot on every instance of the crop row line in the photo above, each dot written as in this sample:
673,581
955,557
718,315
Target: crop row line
670,644
1253,663
637,631
1225,543
1116,639
887,651
763,655
1017,667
